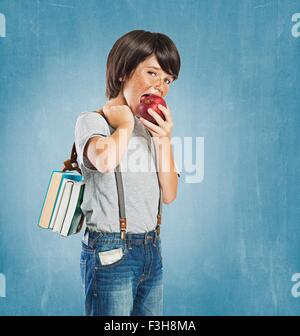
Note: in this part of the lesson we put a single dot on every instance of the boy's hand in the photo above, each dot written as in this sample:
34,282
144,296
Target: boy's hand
118,115
164,128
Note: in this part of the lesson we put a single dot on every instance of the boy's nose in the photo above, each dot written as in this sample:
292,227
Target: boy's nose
158,86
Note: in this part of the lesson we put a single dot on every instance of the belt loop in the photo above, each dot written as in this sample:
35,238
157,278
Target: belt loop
157,229
123,235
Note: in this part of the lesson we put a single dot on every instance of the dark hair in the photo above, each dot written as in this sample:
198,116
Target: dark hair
133,48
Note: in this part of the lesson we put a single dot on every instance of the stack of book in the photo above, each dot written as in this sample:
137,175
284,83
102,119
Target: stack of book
61,211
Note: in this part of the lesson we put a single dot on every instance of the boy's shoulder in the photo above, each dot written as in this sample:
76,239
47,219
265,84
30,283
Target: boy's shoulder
94,115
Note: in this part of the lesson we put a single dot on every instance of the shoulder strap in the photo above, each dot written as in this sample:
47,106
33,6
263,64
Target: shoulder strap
72,164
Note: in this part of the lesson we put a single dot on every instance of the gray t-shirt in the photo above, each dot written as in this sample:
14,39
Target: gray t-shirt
141,186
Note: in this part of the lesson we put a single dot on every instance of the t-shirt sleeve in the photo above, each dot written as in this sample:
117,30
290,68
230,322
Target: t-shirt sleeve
88,124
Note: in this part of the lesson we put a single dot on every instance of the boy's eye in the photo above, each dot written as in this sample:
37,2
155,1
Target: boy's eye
154,73
151,72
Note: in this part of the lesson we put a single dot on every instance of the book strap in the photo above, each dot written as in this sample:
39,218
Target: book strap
72,163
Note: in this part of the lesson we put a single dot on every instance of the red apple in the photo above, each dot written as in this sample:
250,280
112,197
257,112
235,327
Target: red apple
150,101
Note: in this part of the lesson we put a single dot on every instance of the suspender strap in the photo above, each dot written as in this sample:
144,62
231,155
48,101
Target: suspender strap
121,200
159,213
120,189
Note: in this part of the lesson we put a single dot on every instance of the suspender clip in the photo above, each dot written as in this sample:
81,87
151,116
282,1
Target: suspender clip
123,228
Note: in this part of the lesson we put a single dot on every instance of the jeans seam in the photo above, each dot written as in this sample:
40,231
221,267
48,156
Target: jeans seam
159,253
95,294
83,270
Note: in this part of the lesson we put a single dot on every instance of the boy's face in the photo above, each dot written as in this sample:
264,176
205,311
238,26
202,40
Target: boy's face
148,77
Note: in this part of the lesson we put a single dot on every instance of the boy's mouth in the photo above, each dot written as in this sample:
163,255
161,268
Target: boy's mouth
149,93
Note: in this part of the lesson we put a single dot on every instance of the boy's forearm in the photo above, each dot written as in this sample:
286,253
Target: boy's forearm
114,147
167,174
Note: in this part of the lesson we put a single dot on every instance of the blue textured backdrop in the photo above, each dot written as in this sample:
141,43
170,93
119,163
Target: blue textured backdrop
230,243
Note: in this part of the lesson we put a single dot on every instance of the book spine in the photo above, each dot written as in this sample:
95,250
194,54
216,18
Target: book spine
63,206
77,218
71,211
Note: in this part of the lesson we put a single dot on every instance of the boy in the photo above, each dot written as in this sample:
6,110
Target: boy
121,263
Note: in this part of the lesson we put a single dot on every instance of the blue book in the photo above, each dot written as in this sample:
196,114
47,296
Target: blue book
51,197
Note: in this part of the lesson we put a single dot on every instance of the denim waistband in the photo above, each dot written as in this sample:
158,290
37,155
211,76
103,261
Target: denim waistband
134,238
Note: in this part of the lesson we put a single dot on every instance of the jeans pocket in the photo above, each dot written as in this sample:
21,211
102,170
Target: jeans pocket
111,254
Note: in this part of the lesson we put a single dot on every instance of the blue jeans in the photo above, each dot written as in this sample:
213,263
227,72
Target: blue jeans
126,281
